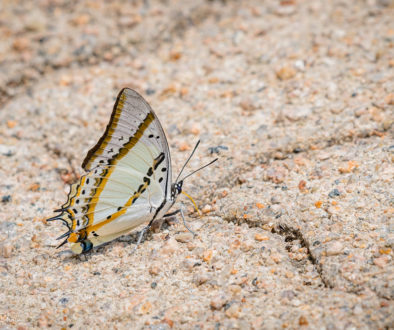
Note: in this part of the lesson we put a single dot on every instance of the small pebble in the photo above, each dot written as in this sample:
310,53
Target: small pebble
6,199
299,65
201,278
286,72
6,249
334,248
247,104
302,185
191,246
195,129
169,247
334,193
21,44
184,146
7,150
150,91
66,254
302,321
297,113
216,150
381,261
276,174
389,99
184,237
233,310
277,258
154,269
218,302
261,237
207,255
206,209
146,307
189,264
275,200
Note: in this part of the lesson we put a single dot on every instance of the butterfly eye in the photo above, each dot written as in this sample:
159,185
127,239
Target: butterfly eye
179,186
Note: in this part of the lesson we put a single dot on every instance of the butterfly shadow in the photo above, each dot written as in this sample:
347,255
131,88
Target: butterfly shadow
130,239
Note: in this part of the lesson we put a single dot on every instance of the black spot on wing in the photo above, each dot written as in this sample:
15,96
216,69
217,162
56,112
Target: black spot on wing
158,160
150,171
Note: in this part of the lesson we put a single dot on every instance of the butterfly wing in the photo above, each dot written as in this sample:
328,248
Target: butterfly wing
128,180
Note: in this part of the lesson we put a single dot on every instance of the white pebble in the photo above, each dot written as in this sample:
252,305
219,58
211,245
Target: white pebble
334,249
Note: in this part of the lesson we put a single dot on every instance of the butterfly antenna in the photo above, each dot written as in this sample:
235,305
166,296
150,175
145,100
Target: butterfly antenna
191,155
199,169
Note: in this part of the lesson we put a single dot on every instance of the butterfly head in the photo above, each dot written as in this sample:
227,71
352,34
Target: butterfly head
176,189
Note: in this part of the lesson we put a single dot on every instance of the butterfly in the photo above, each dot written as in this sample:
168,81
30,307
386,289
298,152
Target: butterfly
128,179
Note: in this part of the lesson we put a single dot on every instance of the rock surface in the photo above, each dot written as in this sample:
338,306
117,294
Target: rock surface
296,100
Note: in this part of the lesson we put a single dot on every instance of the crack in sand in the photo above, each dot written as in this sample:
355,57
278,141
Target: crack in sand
290,234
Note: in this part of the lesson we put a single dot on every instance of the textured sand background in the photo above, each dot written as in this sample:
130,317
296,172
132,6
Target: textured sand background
295,98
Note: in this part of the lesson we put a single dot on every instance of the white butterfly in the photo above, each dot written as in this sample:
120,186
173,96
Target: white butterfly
128,180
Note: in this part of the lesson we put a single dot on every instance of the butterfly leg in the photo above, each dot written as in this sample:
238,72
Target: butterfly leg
183,218
185,224
142,233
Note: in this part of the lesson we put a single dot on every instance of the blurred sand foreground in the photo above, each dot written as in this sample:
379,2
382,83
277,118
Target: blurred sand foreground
295,98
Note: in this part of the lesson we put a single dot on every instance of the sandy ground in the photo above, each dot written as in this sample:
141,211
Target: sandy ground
296,98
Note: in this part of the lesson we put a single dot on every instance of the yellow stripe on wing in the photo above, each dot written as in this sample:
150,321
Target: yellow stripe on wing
98,149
